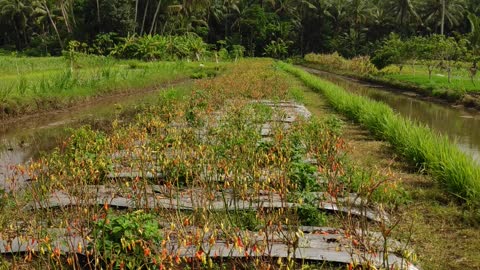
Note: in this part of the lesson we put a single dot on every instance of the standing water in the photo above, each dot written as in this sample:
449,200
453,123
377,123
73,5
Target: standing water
460,125
22,140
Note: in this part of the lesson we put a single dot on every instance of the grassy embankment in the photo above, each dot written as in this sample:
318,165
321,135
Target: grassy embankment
461,89
458,173
206,142
29,85
438,226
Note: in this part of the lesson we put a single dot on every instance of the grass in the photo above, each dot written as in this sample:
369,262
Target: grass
429,151
439,226
418,75
29,85
10,65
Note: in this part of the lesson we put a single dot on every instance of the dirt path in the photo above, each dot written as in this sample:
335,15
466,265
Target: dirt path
445,234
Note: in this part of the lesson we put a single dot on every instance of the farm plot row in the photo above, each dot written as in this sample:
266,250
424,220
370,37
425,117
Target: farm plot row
233,173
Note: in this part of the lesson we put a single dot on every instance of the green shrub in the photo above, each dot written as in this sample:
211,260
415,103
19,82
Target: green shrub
277,49
157,47
334,124
303,175
247,220
391,52
309,215
360,65
104,43
127,241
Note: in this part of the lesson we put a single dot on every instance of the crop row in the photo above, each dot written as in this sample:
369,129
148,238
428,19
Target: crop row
212,148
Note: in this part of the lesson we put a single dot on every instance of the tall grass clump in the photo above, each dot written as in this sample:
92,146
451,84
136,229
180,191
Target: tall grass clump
360,65
434,153
63,84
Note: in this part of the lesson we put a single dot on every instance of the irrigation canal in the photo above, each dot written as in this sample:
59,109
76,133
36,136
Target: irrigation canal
460,125
24,139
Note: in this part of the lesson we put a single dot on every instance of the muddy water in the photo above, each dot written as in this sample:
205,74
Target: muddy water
25,139
460,125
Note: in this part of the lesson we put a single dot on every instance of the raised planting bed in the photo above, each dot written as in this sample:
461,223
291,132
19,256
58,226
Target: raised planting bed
226,174
307,243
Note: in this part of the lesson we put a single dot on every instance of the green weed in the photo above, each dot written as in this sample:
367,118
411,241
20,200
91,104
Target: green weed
127,241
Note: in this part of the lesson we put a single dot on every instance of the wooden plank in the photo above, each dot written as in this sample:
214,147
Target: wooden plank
287,106
332,247
196,199
132,174
287,113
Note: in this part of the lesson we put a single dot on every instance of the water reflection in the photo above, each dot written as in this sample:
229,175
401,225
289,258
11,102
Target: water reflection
23,140
460,125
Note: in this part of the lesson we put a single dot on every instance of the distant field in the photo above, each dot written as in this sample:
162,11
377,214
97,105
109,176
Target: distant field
10,65
412,77
419,75
33,84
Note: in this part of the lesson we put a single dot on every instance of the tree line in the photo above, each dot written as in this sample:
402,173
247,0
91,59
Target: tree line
263,27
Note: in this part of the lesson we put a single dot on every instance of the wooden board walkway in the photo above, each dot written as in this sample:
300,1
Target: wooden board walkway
191,199
313,244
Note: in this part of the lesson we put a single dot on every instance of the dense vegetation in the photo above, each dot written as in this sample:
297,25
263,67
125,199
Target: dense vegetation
273,28
213,160
202,144
434,65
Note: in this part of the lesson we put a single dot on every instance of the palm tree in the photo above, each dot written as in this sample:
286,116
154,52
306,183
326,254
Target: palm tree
379,19
43,7
185,15
145,10
136,16
297,11
350,42
474,6
403,11
438,13
16,13
474,33
360,12
224,11
155,16
63,6
337,11
98,10
195,6
474,38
